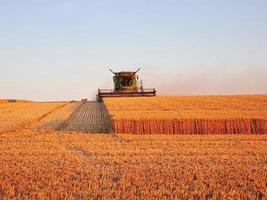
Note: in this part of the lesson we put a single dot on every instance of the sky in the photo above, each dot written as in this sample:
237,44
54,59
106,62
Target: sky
62,50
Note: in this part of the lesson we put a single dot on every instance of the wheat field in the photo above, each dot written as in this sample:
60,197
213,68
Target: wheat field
45,154
17,115
189,114
52,165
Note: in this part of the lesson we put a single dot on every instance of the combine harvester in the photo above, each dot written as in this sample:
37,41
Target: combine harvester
126,84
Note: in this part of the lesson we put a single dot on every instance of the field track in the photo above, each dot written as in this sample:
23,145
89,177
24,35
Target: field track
88,117
56,119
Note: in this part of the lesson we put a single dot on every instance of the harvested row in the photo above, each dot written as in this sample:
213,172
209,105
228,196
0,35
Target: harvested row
89,117
55,119
189,114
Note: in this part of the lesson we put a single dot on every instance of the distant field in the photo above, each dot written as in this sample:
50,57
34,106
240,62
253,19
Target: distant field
189,114
14,101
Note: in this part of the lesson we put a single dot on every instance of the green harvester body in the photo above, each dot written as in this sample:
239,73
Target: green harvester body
126,84
125,81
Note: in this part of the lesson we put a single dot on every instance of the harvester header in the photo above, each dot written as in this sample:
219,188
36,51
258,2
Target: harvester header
126,84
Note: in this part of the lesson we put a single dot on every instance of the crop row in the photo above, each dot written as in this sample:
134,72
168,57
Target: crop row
90,117
189,114
191,126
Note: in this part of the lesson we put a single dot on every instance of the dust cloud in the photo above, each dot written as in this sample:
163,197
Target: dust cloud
209,83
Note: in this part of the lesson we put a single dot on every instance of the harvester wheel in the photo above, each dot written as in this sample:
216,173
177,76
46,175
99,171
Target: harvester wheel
99,99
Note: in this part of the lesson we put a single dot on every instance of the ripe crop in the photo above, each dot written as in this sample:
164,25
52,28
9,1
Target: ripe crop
62,165
16,115
40,163
189,114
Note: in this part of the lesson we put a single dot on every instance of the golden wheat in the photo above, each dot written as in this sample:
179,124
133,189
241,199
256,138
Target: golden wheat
21,114
189,114
53,165
46,164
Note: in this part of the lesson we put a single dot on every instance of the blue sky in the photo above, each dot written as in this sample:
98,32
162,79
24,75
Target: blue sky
62,50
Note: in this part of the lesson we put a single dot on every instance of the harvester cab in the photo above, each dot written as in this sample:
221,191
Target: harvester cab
126,84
